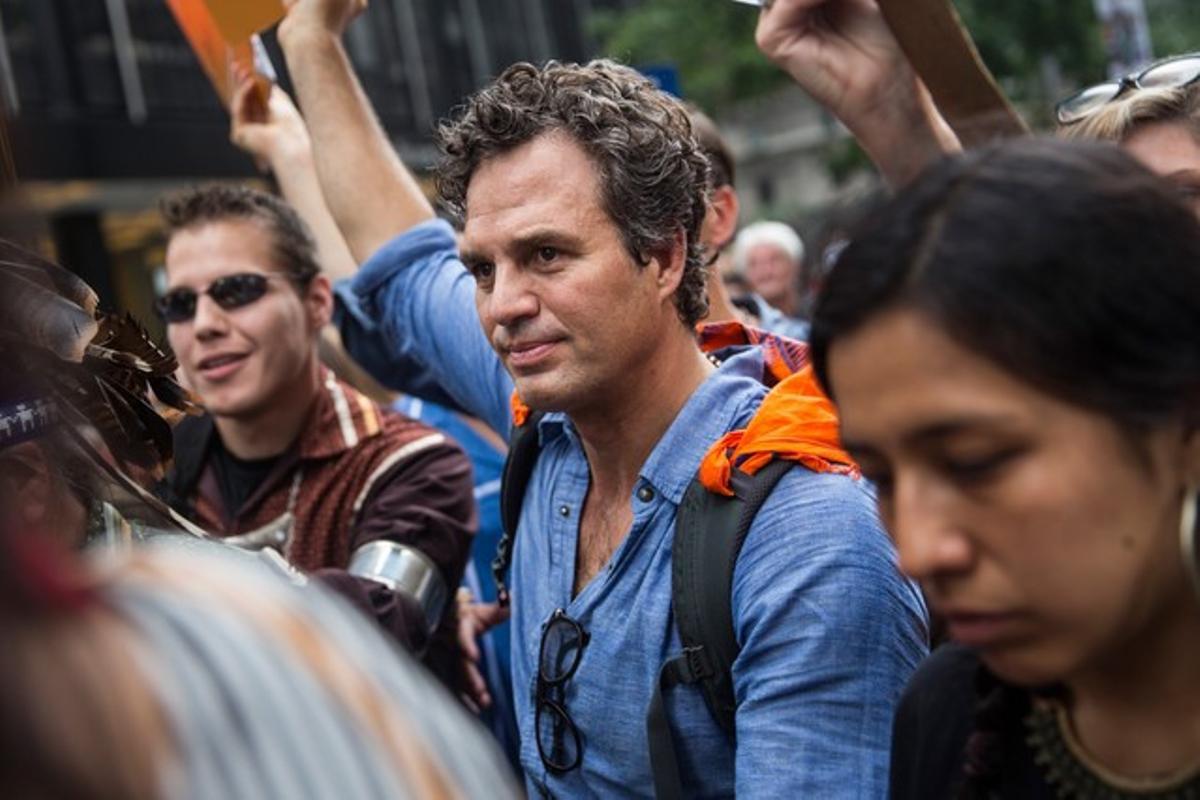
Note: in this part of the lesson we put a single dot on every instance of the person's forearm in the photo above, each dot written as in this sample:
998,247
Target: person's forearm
370,193
905,138
296,175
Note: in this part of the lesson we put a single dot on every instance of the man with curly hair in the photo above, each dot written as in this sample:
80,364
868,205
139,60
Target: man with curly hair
580,191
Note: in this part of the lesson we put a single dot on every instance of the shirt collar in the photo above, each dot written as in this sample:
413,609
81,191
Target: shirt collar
340,418
725,401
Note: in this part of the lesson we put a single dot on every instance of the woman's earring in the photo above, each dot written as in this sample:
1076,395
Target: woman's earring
1187,537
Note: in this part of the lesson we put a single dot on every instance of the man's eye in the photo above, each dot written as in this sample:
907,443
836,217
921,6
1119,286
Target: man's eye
482,270
546,254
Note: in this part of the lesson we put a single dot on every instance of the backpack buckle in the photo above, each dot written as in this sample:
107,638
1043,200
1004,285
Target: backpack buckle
698,668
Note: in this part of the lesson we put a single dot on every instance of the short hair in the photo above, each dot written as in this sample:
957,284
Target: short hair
292,243
1117,120
779,234
652,174
716,149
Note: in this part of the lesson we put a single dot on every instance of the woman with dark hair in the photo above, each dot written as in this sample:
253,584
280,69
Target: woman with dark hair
1014,346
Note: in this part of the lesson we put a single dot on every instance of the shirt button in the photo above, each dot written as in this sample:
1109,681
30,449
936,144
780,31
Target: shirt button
645,494
564,510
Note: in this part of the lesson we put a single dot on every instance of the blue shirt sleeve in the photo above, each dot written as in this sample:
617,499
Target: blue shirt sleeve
829,632
363,339
408,316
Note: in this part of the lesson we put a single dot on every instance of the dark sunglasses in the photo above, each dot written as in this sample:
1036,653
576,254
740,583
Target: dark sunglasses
1170,73
229,292
558,740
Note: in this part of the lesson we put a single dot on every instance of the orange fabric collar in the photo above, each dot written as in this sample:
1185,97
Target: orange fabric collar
796,421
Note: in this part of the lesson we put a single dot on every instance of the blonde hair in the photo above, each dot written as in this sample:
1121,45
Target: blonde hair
1118,120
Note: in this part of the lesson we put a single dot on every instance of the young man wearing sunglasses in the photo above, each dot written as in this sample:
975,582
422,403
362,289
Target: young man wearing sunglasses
582,191
288,457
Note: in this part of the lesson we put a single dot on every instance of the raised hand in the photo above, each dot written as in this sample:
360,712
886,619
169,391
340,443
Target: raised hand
843,54
272,132
840,51
332,16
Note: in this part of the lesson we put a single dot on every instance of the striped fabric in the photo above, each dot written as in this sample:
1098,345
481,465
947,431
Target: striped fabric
280,691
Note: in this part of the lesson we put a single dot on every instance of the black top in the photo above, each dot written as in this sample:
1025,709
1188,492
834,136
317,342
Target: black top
934,721
238,478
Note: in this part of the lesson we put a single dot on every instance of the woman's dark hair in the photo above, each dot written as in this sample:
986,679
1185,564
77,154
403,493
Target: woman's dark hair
1065,263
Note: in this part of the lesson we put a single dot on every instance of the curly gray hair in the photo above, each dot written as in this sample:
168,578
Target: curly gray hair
654,176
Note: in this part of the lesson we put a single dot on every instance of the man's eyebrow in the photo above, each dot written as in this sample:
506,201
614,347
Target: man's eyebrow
468,256
524,243
542,236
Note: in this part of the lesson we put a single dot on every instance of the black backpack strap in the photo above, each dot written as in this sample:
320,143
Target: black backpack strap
709,532
523,450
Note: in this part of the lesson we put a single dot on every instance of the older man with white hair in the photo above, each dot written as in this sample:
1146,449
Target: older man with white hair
769,255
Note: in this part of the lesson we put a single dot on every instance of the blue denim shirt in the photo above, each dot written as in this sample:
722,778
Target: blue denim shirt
829,630
772,319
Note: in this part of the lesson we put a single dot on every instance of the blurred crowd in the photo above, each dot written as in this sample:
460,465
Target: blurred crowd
569,484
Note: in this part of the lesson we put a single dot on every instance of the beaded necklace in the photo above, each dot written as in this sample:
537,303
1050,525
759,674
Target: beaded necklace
1072,773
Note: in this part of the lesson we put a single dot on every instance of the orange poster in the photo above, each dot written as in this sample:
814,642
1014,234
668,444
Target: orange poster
220,32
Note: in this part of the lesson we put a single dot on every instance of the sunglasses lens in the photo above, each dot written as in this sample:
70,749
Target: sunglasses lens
1078,106
1171,74
177,305
235,291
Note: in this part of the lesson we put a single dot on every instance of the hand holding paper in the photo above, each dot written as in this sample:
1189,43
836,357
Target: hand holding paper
220,32
272,132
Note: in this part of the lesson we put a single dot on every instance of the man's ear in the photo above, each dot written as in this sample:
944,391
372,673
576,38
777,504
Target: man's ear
318,300
721,222
668,264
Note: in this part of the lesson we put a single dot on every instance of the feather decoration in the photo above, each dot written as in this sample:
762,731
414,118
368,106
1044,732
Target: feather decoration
103,366
40,316
121,333
69,285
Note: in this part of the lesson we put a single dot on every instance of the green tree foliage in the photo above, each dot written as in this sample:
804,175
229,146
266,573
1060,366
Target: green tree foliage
1174,26
1037,49
710,42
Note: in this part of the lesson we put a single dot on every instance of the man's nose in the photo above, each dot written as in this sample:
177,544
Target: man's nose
930,540
513,298
211,320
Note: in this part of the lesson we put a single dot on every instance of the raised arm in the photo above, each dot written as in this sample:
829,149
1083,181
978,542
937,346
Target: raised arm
843,54
275,135
371,194
408,315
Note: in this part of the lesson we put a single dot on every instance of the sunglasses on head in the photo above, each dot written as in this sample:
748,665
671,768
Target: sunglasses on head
1170,73
229,292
